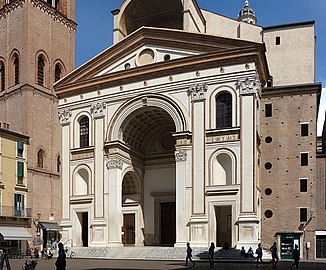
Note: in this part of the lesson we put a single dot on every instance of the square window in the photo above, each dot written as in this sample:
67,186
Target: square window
304,130
278,40
303,185
304,159
268,110
303,214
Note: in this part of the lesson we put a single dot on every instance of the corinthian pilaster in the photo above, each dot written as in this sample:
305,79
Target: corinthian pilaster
98,109
197,92
64,116
114,163
248,85
180,156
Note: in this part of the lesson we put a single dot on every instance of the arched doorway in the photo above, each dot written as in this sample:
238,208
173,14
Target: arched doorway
147,132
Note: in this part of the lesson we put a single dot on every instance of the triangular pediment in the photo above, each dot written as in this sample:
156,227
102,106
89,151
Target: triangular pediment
149,49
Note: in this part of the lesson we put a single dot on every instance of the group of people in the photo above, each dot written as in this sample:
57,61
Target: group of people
250,253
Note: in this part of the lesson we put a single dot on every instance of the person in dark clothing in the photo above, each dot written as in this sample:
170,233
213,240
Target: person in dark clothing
273,249
259,252
296,257
61,260
211,254
189,255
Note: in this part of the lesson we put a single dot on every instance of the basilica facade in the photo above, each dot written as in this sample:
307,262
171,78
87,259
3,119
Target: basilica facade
181,131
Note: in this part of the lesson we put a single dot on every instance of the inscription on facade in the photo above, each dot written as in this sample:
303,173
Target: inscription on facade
197,92
223,138
98,109
64,116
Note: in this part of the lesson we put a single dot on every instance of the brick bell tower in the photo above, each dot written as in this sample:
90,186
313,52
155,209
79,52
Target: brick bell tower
37,48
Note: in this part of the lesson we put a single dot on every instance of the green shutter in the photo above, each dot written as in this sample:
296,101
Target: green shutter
20,168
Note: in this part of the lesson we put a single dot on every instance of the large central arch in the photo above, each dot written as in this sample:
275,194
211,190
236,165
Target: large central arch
145,126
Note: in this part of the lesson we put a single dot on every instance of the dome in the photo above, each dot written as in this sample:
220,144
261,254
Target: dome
247,14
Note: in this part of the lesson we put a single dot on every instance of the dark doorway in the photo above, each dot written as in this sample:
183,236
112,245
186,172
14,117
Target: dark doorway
85,229
128,236
168,224
223,215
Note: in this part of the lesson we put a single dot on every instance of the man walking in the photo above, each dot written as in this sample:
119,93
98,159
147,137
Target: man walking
273,249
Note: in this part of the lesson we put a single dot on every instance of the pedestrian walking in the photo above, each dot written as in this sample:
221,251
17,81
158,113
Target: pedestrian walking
189,255
259,252
273,249
296,257
211,254
61,260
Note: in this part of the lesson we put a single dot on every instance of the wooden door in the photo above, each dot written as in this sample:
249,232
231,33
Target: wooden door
168,224
128,236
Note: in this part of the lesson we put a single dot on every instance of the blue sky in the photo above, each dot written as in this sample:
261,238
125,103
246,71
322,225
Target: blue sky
95,25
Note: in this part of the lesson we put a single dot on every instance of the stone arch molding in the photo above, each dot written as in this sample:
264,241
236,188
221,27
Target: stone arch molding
167,104
212,163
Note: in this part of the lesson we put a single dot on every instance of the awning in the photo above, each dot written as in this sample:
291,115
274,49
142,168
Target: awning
15,233
50,226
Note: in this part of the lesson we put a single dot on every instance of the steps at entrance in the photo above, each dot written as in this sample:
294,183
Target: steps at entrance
156,253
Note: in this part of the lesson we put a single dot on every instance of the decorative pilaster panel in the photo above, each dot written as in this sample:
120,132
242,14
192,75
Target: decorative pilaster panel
98,112
114,166
248,85
197,92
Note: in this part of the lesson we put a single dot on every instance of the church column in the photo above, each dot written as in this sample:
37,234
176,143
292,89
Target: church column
198,222
66,223
114,166
248,220
99,222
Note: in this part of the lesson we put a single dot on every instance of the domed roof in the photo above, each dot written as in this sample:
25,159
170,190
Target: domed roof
247,14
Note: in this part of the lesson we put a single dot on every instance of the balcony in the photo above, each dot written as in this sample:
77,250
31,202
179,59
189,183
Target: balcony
9,211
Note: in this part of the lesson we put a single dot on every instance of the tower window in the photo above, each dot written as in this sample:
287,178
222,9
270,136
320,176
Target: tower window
16,68
304,159
40,159
278,41
40,70
57,72
303,214
303,185
268,110
304,130
84,132
2,76
224,110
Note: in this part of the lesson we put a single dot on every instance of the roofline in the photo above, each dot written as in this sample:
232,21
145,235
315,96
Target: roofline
287,25
13,134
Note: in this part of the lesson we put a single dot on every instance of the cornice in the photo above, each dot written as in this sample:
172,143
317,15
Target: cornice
155,36
43,6
178,66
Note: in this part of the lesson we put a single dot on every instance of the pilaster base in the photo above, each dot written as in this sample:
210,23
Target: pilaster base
248,231
98,228
198,231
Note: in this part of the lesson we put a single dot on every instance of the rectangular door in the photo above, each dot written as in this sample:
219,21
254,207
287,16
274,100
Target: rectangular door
168,224
128,237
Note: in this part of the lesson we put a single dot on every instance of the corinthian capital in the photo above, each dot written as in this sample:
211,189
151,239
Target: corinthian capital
180,156
197,92
248,85
114,163
64,116
98,109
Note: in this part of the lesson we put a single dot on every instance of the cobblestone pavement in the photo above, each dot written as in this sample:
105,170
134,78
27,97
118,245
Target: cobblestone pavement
90,264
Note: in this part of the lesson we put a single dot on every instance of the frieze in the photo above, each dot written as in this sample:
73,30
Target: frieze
43,6
180,156
248,85
223,138
98,109
197,92
64,116
114,163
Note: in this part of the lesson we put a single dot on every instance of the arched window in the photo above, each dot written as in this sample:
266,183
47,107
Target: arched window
40,158
16,68
40,70
57,72
84,132
81,182
222,170
224,110
2,76
58,164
